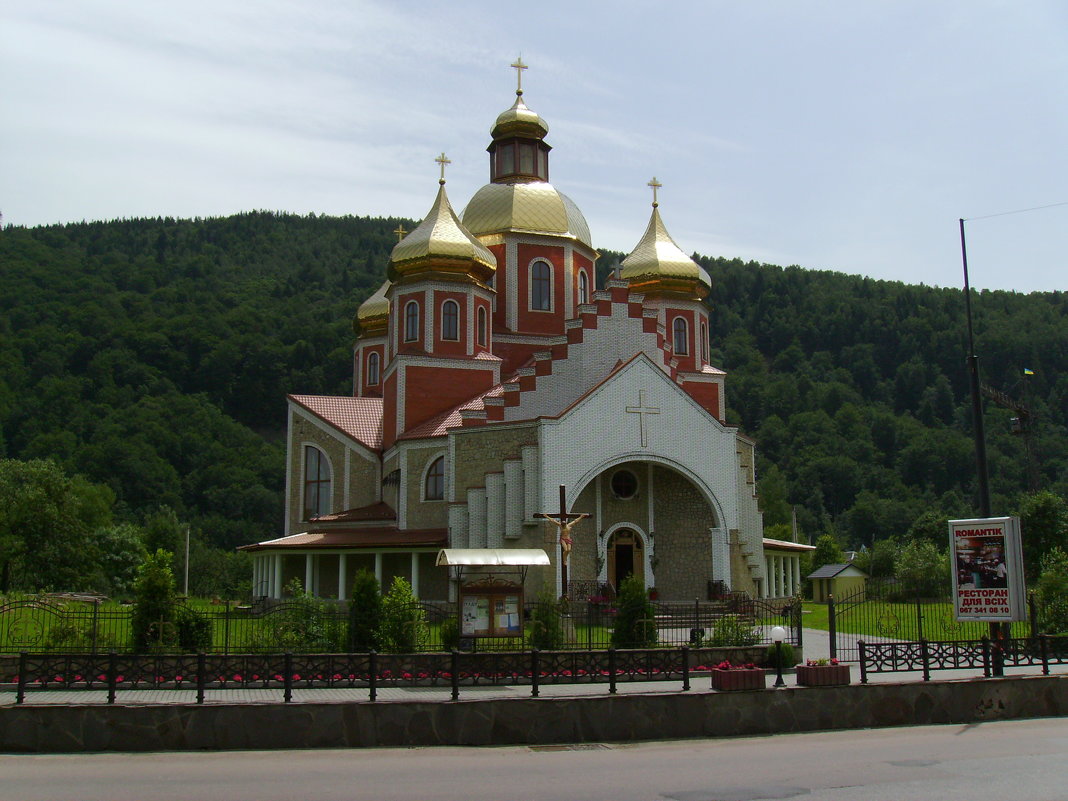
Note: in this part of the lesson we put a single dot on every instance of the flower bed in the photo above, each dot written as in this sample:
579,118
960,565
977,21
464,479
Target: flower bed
728,677
822,673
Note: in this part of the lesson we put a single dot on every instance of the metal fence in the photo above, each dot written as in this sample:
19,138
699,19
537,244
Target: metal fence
50,624
932,655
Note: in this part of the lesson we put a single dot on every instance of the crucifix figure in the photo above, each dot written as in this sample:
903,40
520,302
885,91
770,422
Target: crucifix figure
564,522
642,410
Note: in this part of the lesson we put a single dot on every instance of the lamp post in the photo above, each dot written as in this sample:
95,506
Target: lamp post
778,634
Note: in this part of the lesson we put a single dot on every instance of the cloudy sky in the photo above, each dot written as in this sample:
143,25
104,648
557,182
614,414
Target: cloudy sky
835,135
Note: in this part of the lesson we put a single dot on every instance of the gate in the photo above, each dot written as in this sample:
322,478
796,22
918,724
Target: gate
879,614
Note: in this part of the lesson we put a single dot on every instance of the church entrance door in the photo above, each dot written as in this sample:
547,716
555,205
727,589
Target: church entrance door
626,557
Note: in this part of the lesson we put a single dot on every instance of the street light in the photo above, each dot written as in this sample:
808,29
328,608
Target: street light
778,634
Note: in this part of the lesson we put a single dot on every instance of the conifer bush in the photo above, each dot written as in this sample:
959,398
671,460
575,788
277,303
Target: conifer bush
404,627
155,600
365,613
546,632
636,618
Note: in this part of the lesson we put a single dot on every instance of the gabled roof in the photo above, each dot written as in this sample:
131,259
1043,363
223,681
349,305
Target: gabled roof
830,571
358,418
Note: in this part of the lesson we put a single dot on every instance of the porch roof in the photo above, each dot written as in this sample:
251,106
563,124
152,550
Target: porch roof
492,557
355,539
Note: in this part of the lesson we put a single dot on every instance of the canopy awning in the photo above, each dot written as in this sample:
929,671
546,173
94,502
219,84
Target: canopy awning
492,557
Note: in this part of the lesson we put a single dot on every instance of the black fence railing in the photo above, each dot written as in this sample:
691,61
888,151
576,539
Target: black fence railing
46,624
371,671
932,655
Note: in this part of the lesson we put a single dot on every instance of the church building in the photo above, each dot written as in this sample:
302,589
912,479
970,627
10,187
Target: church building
489,371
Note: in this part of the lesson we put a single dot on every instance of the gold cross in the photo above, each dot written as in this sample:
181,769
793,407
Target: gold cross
400,232
519,66
442,160
655,184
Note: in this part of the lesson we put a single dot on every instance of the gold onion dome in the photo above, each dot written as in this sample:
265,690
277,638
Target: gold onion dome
373,315
440,244
519,120
536,207
658,265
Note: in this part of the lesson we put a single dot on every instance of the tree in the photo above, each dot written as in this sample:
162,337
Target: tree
403,619
365,613
122,551
635,618
1043,526
154,604
828,552
922,570
1052,592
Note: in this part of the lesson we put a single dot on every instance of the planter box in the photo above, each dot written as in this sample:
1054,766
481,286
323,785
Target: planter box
822,675
744,679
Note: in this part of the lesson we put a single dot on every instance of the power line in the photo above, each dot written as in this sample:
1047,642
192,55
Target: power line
1017,211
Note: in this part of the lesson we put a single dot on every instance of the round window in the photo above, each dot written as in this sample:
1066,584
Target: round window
624,484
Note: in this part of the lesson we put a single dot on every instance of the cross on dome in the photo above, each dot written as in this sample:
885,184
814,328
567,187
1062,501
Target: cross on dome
519,66
443,161
400,232
655,184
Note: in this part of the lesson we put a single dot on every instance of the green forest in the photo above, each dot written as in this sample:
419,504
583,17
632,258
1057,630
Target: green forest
144,366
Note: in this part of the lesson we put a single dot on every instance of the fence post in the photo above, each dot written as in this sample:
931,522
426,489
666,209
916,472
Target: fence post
226,637
287,677
535,672
455,665
919,620
1043,648
96,615
831,633
201,678
924,661
685,667
612,669
986,657
696,614
372,674
863,652
112,675
20,692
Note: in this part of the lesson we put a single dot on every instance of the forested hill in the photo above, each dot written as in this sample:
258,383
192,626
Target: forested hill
154,356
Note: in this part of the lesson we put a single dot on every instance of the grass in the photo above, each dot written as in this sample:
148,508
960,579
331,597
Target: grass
898,621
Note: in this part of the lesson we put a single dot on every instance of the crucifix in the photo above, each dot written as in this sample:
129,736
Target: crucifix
564,522
443,160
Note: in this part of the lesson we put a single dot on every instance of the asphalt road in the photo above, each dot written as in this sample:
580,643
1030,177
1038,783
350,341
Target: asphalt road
1001,760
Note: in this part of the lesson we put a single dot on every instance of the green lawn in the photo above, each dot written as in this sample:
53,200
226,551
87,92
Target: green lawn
899,621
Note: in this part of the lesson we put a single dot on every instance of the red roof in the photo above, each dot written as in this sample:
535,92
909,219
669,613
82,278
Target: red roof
385,537
359,418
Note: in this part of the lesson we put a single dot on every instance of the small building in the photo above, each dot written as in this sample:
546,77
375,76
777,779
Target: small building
783,567
841,581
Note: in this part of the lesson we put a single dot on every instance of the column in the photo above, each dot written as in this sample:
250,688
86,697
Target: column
308,574
770,577
276,590
797,574
415,574
378,570
342,590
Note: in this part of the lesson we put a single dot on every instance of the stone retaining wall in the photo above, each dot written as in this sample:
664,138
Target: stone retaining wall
526,721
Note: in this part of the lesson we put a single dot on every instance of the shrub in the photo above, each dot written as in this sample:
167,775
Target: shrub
194,630
449,632
365,613
732,630
404,627
788,660
636,619
1052,592
154,604
546,632
305,624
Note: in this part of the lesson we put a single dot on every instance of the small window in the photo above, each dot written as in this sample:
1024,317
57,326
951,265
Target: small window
435,481
450,320
316,483
505,159
704,342
482,326
584,288
541,285
526,158
624,484
411,321
682,338
372,369
543,164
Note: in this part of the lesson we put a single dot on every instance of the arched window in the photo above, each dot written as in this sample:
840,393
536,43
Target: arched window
681,336
411,321
450,320
316,483
584,287
541,286
704,342
482,326
372,368
434,487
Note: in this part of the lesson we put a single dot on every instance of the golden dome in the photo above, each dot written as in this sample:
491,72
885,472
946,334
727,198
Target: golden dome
534,207
373,313
657,264
440,243
519,120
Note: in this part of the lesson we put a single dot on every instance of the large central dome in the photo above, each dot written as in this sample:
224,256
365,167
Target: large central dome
534,207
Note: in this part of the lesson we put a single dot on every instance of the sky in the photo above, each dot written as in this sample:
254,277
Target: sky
846,136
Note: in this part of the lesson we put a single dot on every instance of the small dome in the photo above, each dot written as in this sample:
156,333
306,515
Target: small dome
519,120
535,207
440,242
373,313
657,264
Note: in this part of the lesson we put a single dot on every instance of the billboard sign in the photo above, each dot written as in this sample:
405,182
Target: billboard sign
986,558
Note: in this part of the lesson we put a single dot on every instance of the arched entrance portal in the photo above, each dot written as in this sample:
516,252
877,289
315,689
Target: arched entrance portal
625,556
